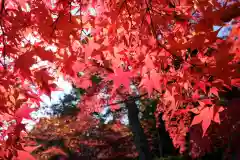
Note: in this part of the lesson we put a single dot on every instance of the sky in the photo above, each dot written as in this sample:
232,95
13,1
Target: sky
57,95
55,98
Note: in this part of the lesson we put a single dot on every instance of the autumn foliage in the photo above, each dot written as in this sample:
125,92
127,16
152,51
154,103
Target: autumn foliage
159,49
82,141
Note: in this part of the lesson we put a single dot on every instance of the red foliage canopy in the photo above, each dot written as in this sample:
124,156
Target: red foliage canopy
167,49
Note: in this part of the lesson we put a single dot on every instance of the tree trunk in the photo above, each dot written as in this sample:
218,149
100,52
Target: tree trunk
165,141
140,139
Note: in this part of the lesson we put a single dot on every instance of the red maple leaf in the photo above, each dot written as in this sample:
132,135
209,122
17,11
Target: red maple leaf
119,77
45,81
206,115
89,48
147,83
23,63
24,112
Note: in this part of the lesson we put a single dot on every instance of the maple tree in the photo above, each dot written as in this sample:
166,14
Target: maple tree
160,49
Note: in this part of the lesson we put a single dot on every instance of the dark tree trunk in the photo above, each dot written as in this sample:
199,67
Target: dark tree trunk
165,142
140,139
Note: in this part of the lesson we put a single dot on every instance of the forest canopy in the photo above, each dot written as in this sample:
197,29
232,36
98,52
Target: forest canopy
158,62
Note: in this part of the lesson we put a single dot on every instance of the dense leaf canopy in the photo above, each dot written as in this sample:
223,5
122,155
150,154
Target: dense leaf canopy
116,50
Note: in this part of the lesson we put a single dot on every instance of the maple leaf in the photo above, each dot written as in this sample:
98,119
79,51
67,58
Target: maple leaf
78,67
206,115
89,48
84,83
149,62
23,112
45,55
45,81
119,77
156,78
68,62
151,83
23,63
148,84
169,98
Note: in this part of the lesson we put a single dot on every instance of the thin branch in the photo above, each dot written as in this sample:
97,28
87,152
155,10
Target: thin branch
130,99
155,32
54,24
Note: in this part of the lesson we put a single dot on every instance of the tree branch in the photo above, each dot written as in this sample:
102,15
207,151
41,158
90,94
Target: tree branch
130,99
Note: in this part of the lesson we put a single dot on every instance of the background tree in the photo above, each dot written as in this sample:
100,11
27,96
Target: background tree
88,141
